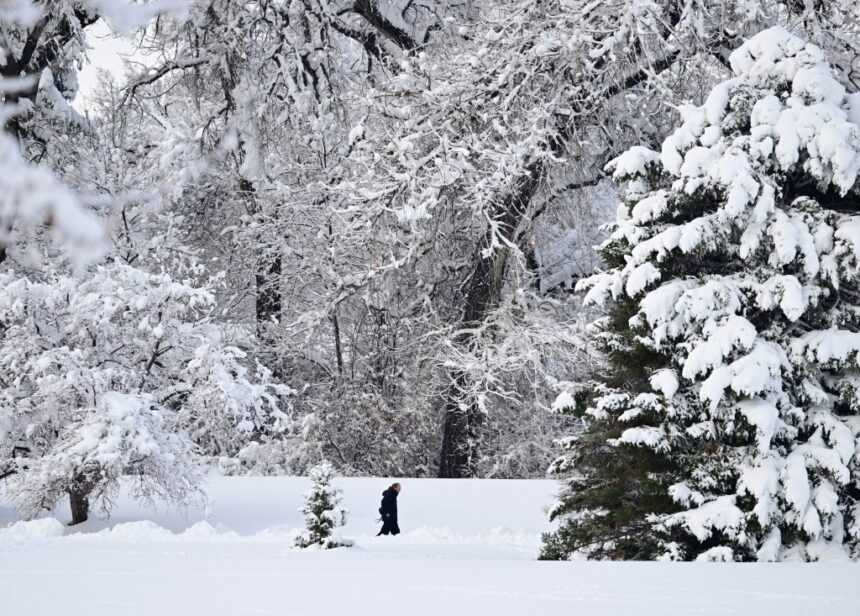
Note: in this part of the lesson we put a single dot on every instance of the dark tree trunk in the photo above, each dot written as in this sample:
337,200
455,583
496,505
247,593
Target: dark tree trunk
461,427
79,502
267,278
269,300
460,437
370,11
338,350
460,434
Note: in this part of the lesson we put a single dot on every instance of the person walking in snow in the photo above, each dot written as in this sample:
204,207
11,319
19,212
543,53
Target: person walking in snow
388,511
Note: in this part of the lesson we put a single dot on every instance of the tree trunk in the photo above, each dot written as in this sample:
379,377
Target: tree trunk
461,427
267,278
460,436
79,503
338,350
269,300
371,12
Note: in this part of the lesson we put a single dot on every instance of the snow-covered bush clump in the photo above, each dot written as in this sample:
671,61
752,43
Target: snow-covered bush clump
323,511
728,429
118,374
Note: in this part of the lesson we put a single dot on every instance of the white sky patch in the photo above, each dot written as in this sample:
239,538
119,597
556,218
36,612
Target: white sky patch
107,52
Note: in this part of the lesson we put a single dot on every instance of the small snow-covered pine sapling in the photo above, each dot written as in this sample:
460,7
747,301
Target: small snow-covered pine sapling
323,511
728,428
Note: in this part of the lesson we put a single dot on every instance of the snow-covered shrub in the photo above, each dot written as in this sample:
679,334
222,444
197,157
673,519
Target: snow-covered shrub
118,373
728,428
123,434
323,511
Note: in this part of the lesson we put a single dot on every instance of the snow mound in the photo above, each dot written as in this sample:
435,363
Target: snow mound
280,532
45,528
144,530
204,531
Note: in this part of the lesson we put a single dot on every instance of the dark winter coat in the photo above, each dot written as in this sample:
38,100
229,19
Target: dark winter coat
388,512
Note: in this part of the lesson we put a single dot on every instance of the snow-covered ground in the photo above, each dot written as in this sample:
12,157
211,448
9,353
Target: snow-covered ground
468,547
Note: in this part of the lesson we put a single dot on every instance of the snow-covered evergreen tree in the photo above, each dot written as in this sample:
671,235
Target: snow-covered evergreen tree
728,427
323,511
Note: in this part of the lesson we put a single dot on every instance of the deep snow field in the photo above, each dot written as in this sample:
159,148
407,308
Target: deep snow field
468,547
